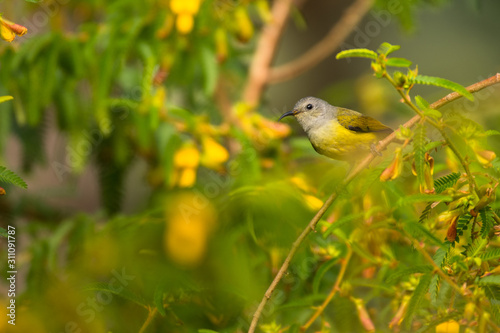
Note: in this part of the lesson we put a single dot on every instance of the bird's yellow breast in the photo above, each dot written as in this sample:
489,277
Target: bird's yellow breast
335,141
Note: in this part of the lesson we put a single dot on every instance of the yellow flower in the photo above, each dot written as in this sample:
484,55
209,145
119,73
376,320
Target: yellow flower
244,25
9,30
312,202
186,177
2,191
214,154
394,169
184,23
185,6
448,327
187,157
190,219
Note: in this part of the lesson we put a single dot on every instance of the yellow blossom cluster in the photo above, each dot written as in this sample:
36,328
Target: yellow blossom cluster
185,10
189,157
190,221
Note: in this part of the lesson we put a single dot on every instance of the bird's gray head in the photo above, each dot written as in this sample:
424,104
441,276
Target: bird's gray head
311,112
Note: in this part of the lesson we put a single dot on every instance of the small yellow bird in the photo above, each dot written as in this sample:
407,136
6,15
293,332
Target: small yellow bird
335,132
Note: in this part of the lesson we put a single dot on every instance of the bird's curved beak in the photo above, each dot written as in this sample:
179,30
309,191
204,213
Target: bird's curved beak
286,114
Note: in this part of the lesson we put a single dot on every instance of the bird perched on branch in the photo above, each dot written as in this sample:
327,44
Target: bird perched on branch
335,132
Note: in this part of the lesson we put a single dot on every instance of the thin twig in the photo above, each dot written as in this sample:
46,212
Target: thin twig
354,172
266,48
332,293
326,46
149,319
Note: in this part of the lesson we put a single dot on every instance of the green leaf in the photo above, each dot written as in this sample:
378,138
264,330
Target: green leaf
490,280
425,213
10,177
422,197
394,277
440,256
158,301
122,292
432,113
3,232
487,221
210,70
476,248
416,298
356,53
421,102
462,223
386,48
5,98
203,330
321,272
447,181
491,254
417,230
440,82
419,152
491,132
398,62
434,287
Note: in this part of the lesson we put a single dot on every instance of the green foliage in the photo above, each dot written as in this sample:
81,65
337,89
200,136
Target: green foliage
202,195
491,254
356,53
416,299
440,82
7,176
446,181
419,151
487,221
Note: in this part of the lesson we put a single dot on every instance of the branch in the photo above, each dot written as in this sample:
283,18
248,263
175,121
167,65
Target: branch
266,48
326,46
354,172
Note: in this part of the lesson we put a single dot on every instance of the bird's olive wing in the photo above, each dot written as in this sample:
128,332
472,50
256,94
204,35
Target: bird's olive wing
358,122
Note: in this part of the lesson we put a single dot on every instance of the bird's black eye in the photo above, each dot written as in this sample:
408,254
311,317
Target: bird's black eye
309,106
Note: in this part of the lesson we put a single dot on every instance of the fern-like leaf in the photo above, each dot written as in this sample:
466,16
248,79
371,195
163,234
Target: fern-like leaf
490,280
487,221
416,298
420,197
440,82
476,248
425,213
357,53
419,151
408,271
447,181
491,254
123,292
491,132
7,176
434,288
462,224
417,230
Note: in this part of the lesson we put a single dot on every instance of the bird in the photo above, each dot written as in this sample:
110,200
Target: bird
336,132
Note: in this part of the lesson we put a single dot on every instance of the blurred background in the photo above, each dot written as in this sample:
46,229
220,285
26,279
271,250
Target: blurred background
160,197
